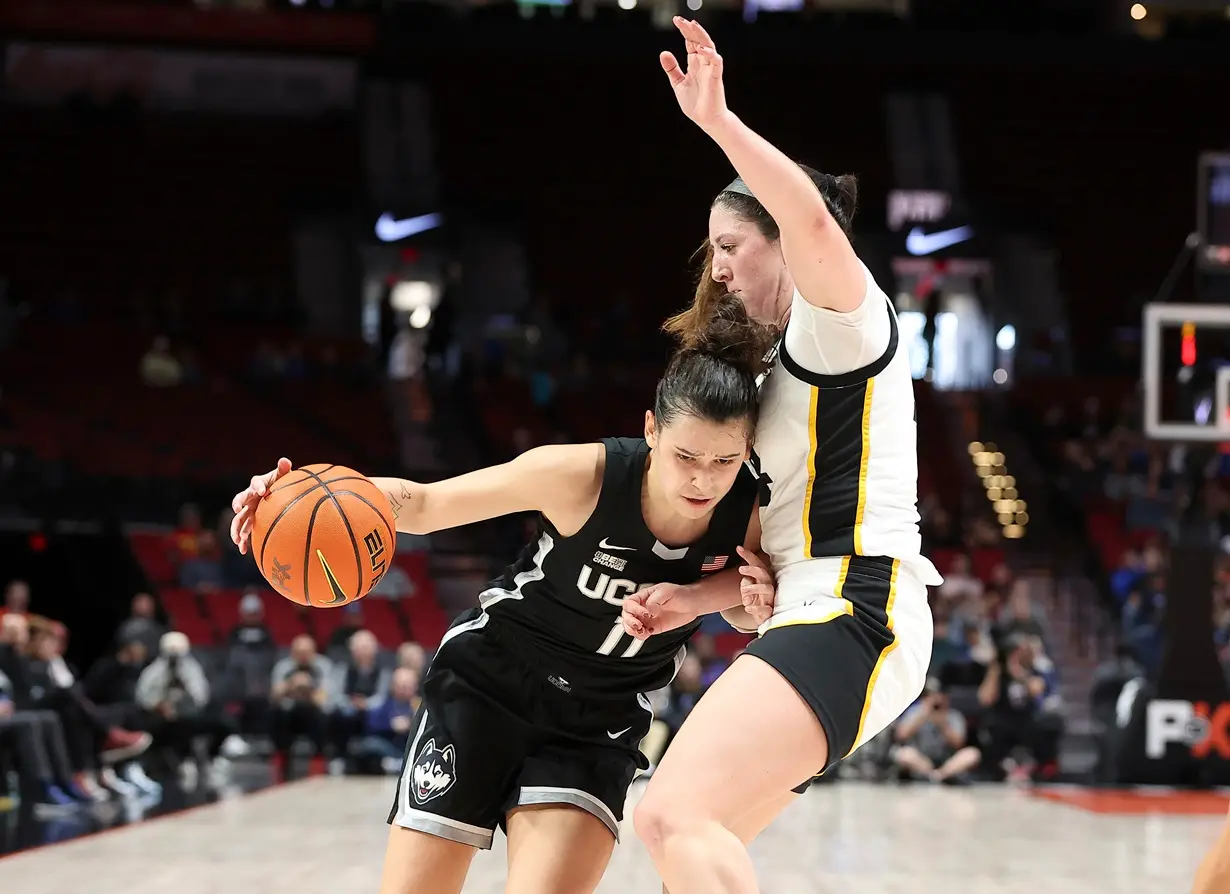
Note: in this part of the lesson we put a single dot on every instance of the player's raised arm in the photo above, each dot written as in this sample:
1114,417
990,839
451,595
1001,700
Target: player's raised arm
817,252
555,480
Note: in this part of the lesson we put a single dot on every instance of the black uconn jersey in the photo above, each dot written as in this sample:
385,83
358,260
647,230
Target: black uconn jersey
565,593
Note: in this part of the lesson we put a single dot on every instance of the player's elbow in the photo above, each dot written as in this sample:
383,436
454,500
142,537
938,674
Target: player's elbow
415,522
415,513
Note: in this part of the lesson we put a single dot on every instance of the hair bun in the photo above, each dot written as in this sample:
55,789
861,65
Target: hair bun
730,335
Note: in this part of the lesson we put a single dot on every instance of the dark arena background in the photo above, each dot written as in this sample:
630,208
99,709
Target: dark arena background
416,238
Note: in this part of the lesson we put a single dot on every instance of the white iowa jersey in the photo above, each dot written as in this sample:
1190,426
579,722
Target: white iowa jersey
839,455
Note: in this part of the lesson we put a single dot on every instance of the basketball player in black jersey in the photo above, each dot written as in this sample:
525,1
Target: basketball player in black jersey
534,707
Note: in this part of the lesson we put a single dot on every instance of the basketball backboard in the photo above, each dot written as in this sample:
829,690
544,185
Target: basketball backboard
1197,416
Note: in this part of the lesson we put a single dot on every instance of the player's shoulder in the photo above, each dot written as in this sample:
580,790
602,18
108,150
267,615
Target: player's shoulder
625,448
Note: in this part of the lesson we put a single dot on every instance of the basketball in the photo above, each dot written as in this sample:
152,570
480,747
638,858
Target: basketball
323,535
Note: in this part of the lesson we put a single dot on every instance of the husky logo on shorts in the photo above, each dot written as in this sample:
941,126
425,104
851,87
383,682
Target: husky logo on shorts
434,771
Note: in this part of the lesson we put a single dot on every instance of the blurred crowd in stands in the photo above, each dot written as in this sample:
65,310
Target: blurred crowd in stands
1136,497
160,707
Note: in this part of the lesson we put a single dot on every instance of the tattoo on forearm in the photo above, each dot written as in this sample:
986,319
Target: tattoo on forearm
397,507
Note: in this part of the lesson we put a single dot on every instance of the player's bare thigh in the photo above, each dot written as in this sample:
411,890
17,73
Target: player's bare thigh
416,863
556,850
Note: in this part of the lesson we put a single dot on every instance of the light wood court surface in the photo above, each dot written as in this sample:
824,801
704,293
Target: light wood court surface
326,836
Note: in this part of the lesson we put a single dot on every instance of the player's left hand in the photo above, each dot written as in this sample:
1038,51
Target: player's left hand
656,609
244,503
698,88
758,588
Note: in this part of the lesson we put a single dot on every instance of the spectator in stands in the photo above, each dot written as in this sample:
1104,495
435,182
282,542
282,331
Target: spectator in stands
1019,617
685,692
45,773
711,663
1142,622
388,720
112,684
94,731
250,658
352,623
16,598
142,624
945,649
959,584
413,656
1016,695
299,694
1128,576
931,740
1109,679
159,368
360,681
112,681
976,655
251,632
174,692
194,551
971,613
237,570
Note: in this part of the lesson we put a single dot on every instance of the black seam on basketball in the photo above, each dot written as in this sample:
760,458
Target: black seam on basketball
307,553
374,508
277,518
298,497
358,558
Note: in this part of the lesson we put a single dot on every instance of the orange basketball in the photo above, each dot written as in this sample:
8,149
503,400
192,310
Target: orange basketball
323,535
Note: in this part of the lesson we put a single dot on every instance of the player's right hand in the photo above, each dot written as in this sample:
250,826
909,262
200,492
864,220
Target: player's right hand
698,87
244,503
758,589
656,609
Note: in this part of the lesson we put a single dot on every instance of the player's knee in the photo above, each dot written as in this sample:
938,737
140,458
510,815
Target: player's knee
658,818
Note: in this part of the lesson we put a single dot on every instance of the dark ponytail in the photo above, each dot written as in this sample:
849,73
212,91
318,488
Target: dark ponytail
713,374
840,196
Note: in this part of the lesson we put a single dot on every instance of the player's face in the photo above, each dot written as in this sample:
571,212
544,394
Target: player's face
697,461
750,266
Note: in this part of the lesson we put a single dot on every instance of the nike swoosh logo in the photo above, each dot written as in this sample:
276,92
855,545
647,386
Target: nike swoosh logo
602,544
389,229
618,734
339,595
919,243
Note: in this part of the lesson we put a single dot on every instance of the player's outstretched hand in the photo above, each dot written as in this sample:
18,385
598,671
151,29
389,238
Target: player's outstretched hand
758,588
244,504
698,87
656,609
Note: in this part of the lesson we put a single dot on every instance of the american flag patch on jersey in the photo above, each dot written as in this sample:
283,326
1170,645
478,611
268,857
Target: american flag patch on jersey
714,563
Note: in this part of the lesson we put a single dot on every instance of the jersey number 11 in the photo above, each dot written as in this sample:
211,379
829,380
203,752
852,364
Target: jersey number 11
613,638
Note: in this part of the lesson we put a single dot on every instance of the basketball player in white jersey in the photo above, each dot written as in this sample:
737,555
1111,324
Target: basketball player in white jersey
533,705
847,647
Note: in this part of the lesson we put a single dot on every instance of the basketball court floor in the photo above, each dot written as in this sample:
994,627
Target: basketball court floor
326,836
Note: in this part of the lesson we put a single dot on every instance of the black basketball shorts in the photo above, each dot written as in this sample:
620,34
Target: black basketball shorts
500,728
859,659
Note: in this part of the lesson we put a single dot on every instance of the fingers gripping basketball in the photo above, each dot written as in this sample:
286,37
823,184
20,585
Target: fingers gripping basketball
324,535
